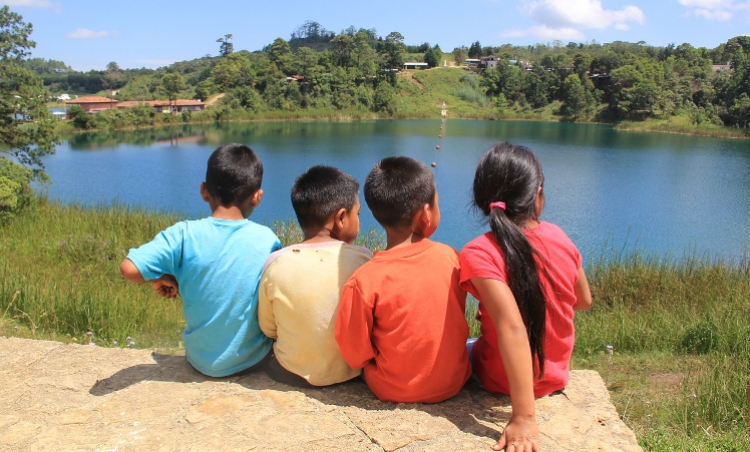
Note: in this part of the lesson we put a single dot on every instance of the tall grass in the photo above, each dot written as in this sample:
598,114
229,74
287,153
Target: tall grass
679,328
686,319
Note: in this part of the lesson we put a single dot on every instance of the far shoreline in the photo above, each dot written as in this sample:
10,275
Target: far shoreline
625,126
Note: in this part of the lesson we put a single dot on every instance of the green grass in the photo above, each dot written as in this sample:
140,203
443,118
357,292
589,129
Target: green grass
683,124
679,328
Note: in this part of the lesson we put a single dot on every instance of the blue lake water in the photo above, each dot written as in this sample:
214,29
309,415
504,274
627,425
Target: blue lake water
664,194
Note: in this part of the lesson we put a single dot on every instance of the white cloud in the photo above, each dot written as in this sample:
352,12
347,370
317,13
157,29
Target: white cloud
713,15
32,3
565,19
83,33
720,10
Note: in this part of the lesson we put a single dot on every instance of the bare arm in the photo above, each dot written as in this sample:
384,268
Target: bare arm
522,431
583,292
130,272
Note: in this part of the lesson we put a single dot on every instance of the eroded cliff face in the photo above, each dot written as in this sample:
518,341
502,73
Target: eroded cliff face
70,397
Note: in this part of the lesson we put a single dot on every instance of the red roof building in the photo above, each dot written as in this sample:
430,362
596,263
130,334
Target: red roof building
93,104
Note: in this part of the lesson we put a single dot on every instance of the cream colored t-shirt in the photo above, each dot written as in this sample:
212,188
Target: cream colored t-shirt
298,300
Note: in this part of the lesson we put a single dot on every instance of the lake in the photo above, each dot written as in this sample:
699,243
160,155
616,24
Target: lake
663,194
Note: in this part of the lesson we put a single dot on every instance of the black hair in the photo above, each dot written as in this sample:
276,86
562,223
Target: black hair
234,173
396,188
512,174
321,191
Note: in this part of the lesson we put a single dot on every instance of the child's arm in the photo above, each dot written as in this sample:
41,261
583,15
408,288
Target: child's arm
354,323
583,292
166,285
130,272
521,431
266,315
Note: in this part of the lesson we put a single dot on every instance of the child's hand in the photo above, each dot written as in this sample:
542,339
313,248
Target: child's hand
520,435
166,286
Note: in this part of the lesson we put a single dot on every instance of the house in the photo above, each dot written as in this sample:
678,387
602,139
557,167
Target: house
722,67
472,62
166,106
488,62
415,65
93,104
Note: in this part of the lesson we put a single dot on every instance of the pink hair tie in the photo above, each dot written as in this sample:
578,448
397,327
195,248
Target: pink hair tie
499,204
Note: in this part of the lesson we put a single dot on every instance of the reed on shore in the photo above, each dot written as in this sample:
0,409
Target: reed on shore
678,370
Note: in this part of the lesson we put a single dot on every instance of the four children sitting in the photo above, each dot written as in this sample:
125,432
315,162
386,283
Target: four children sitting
315,313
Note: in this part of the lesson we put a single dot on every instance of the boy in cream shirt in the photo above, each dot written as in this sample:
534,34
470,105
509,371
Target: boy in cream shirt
301,284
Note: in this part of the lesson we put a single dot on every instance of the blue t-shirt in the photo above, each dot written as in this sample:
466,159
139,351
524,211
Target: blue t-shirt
217,264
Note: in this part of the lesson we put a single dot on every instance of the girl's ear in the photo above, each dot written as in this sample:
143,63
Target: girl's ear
539,202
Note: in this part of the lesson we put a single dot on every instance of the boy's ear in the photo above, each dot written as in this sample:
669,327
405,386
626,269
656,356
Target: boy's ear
338,219
424,218
257,197
204,192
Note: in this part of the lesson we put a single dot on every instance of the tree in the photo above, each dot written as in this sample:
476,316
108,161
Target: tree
460,54
430,58
226,47
112,67
172,84
393,54
475,50
21,97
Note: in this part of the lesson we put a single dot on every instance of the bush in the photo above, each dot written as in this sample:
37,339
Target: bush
15,189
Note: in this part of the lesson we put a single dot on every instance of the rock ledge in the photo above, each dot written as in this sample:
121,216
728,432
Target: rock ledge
79,398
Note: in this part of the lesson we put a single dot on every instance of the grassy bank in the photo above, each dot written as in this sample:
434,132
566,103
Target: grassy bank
678,329
683,125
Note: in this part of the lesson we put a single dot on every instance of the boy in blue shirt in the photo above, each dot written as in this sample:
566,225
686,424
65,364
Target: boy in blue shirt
217,263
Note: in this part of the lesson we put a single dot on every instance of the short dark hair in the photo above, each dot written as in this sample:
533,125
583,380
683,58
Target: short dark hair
321,191
396,188
234,173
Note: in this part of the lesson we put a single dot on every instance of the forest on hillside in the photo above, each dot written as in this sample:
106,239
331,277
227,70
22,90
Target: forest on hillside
316,69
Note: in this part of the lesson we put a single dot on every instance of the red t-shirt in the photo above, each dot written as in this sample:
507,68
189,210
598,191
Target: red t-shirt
401,319
558,262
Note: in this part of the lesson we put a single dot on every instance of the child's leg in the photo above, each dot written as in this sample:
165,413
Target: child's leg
470,347
277,372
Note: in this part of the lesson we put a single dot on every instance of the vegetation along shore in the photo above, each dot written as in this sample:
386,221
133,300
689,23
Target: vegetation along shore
677,370
357,73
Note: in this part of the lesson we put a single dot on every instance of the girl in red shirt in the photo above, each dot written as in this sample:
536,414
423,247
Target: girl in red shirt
528,278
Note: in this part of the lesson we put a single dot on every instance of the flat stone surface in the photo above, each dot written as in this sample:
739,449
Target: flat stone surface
56,397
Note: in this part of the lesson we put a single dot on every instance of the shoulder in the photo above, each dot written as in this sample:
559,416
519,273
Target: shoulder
554,233
356,252
484,244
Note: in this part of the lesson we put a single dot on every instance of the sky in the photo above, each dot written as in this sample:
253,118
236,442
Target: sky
88,34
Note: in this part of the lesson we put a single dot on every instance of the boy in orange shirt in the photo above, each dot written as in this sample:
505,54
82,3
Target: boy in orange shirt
401,315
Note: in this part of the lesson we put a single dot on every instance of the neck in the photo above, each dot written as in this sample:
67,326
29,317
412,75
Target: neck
320,236
228,213
398,239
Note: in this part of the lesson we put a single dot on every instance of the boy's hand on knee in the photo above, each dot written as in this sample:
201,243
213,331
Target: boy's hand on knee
166,286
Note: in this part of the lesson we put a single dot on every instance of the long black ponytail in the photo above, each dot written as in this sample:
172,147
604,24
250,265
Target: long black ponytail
512,175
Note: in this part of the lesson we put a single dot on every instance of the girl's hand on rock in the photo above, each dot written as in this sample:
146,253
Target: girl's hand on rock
520,435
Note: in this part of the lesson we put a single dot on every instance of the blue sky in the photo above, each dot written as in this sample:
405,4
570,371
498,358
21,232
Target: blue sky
88,34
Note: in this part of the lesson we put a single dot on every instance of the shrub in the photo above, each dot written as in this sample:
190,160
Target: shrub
15,189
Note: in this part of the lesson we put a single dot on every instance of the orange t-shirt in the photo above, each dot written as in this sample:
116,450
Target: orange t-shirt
401,319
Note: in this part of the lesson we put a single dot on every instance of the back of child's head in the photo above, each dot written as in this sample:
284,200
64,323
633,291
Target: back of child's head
396,188
321,191
506,186
234,173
